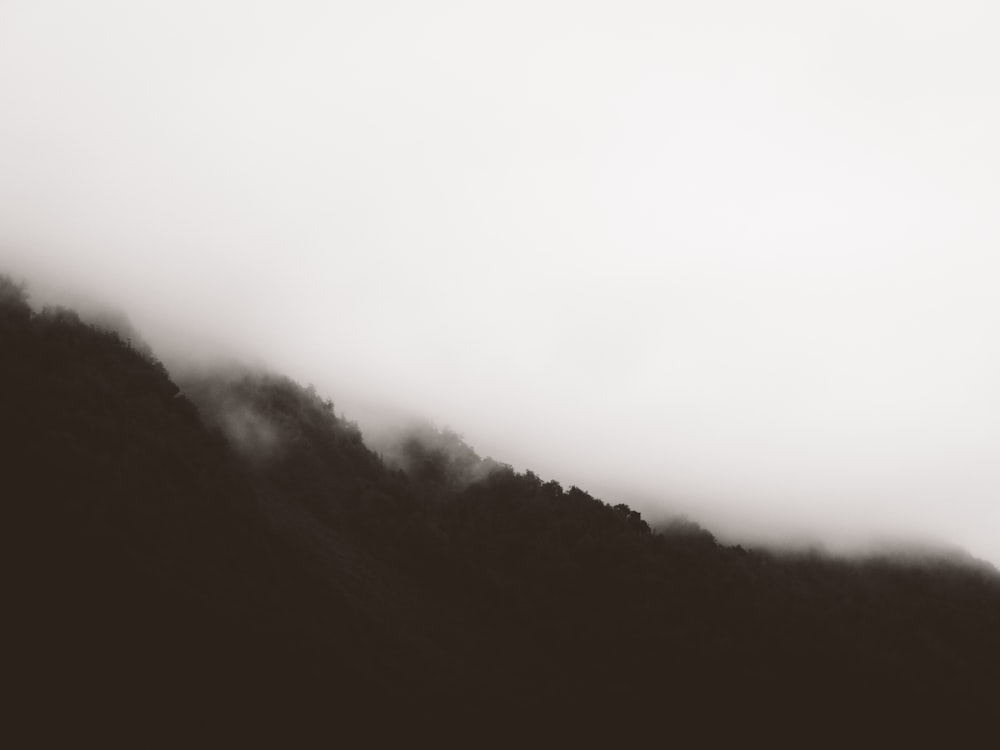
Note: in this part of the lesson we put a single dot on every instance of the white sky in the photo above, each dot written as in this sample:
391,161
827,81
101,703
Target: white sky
735,259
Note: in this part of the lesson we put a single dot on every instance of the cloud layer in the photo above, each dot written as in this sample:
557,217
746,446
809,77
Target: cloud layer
735,262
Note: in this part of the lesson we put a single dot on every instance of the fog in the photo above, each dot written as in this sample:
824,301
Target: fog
733,260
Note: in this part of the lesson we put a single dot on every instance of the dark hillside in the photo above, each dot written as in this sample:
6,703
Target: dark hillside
230,548
146,577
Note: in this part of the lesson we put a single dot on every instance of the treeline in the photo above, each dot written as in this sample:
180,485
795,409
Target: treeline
228,546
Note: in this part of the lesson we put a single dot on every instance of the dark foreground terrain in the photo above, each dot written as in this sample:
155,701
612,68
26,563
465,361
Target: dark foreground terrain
223,557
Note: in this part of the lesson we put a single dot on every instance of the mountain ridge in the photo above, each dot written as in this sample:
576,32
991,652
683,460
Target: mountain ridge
227,540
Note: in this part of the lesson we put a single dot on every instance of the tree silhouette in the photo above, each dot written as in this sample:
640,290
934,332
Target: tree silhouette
163,560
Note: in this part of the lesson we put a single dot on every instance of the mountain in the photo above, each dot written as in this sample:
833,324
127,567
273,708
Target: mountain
223,549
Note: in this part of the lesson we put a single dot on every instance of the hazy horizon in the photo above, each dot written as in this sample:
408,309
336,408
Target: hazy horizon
737,263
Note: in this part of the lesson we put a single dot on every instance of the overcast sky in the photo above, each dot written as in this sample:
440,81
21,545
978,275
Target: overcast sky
736,259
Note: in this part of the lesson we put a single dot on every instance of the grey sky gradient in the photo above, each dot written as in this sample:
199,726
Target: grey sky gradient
735,259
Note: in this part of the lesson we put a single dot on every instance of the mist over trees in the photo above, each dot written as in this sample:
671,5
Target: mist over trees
226,546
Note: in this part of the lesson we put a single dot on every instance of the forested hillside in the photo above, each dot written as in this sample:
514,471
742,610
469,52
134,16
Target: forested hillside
227,546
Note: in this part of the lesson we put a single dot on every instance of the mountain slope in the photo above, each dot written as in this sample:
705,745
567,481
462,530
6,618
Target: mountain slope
228,546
